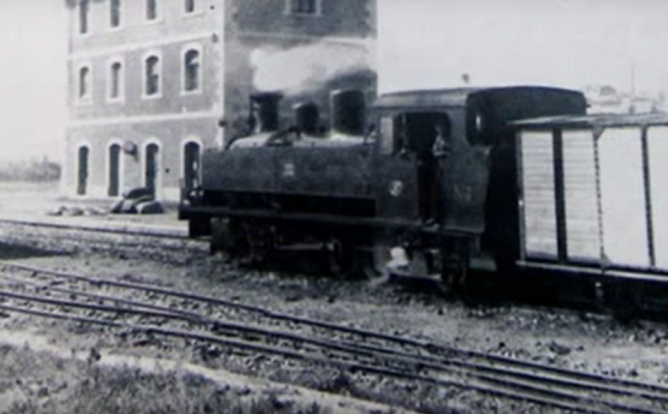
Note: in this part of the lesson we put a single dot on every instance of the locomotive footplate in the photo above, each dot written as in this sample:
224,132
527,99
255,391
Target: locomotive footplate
416,226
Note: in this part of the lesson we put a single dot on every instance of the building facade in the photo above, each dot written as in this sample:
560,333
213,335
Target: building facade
155,83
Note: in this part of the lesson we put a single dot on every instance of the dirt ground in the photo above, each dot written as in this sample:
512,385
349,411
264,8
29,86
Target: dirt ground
590,343
41,377
34,201
587,342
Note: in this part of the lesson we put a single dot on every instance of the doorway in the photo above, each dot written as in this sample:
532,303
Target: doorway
191,165
152,168
82,174
114,170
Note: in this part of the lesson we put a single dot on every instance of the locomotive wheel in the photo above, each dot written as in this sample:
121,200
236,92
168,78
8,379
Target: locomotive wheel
223,237
454,266
366,266
367,262
339,257
259,242
246,242
237,246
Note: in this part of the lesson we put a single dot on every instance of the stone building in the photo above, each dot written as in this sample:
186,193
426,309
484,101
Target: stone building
155,83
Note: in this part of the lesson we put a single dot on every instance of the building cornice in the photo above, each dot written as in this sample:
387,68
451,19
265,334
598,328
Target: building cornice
144,119
357,41
135,46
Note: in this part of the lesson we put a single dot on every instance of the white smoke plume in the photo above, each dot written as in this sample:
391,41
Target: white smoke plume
301,68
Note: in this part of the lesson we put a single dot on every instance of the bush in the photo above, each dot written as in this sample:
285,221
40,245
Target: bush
30,171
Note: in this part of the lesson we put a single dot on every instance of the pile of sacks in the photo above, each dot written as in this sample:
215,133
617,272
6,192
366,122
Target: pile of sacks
73,211
137,201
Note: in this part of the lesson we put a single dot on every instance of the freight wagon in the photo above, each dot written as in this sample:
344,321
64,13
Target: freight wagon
593,197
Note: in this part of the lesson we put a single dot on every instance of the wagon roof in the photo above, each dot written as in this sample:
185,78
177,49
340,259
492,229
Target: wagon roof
594,120
455,97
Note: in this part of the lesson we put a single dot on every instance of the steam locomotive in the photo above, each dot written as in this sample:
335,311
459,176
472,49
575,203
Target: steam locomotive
461,181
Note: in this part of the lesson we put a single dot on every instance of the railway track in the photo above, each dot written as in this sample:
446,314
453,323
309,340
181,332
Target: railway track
165,245
230,325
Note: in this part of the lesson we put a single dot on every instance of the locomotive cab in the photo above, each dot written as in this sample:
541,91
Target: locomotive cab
460,194
428,171
411,148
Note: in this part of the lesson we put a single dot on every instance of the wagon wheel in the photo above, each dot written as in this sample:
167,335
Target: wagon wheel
454,266
624,298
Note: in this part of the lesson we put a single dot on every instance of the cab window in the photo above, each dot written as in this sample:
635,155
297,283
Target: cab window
413,132
387,145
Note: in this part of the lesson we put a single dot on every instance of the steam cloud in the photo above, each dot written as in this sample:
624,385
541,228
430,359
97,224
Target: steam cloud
301,68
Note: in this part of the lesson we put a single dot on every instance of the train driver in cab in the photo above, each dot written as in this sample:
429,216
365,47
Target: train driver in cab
441,149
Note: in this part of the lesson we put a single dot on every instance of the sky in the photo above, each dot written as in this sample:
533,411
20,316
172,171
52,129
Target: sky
570,43
33,78
422,44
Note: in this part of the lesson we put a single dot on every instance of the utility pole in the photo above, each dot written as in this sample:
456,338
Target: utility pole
632,108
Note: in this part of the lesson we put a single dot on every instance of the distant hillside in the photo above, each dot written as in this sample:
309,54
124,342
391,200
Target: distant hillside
32,170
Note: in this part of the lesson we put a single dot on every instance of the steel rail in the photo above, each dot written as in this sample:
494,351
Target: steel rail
427,346
427,361
114,229
130,242
415,362
574,403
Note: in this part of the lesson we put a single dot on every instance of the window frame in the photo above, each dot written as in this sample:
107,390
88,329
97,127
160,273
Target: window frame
83,19
145,58
110,20
196,47
395,136
87,98
121,162
386,132
121,80
191,139
158,11
153,140
195,10
292,10
89,170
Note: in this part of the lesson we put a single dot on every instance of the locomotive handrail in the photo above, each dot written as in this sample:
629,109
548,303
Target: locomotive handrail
281,138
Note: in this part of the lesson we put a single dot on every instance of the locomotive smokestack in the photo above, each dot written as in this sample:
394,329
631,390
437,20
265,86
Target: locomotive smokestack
265,113
307,117
348,111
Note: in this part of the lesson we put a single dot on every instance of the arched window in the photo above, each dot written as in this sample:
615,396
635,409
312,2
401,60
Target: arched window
114,165
84,83
115,13
115,80
151,9
191,71
84,9
152,76
152,168
304,6
191,165
82,169
189,6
